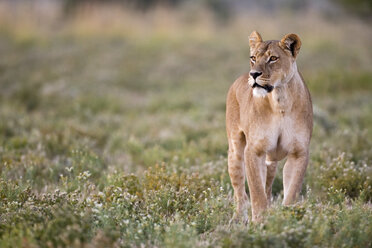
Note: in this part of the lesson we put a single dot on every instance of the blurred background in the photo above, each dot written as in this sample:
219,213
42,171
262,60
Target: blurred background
91,91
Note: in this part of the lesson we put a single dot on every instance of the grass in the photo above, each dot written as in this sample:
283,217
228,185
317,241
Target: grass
114,137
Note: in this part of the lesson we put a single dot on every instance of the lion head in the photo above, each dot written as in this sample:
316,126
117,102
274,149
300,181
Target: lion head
273,62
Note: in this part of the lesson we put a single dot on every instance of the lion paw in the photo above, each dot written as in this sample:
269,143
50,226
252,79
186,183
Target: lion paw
239,218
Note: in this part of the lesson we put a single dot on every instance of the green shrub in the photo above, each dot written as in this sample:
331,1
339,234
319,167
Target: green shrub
343,174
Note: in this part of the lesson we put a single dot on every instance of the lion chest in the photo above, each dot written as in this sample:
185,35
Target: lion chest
276,136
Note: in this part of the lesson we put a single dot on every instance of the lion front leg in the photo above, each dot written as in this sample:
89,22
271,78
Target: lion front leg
237,176
293,175
256,174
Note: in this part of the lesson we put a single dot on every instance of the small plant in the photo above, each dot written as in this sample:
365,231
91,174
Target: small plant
344,175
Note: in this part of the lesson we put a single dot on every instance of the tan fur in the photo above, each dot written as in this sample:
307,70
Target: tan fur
264,128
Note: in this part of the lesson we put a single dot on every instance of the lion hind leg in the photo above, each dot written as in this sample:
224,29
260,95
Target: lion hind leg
271,171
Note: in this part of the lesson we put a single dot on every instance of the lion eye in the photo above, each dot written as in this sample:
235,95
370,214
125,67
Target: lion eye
273,58
253,58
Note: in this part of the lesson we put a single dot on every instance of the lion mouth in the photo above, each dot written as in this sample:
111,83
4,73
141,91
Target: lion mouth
267,87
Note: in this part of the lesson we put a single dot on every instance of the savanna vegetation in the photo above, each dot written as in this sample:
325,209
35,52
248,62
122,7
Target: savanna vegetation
112,130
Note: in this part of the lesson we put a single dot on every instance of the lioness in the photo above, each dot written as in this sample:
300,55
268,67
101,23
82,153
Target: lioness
269,117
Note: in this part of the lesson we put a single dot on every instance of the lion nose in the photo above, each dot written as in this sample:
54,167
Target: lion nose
255,74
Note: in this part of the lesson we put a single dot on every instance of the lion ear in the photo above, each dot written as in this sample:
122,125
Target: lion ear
254,39
292,43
